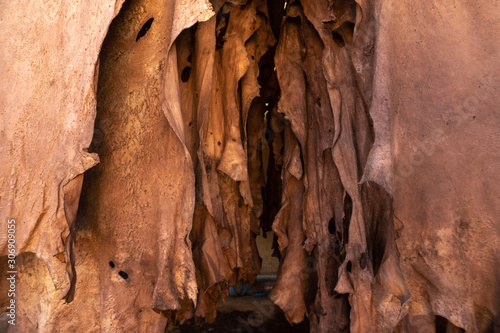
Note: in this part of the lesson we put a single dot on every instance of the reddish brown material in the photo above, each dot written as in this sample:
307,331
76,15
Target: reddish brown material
364,133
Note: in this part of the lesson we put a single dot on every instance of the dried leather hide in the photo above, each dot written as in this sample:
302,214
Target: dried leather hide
364,133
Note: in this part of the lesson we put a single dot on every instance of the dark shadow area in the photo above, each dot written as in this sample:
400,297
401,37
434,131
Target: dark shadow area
246,314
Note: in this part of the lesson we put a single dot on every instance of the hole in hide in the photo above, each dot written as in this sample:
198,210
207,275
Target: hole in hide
331,226
186,73
145,28
348,266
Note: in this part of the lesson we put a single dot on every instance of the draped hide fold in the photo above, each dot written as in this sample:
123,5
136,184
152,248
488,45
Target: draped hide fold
147,143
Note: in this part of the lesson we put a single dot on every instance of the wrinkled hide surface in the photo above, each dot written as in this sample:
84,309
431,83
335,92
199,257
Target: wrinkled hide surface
365,134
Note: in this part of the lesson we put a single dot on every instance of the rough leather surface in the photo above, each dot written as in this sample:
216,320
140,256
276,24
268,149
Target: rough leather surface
48,108
364,133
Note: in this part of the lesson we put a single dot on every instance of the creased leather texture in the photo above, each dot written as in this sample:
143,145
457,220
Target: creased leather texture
48,108
145,144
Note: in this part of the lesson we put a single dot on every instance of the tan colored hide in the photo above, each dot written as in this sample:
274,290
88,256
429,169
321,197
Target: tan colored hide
365,133
48,108
440,81
133,253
